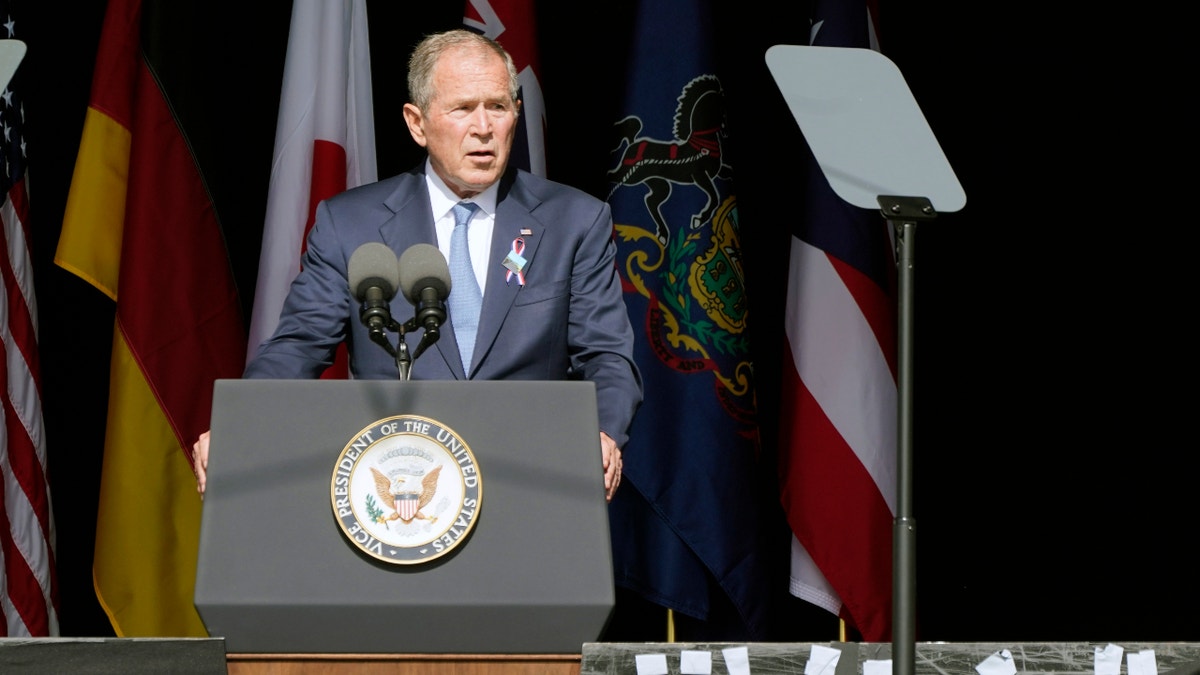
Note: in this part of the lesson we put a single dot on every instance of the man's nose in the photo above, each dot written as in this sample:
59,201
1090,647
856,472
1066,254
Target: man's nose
481,123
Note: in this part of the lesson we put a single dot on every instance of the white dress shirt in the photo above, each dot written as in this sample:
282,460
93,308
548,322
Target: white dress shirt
479,234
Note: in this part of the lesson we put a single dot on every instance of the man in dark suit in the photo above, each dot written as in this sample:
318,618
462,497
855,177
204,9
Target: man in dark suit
543,255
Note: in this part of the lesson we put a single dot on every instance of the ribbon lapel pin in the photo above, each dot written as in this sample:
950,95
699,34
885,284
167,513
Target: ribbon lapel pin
514,263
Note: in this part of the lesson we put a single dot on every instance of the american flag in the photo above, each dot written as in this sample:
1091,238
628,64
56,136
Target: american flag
28,586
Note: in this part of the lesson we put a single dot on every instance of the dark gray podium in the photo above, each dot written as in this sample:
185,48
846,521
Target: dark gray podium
278,574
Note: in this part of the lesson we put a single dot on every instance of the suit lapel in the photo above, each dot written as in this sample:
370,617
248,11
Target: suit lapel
514,219
412,223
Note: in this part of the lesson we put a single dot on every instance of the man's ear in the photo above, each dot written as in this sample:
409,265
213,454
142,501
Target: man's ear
415,122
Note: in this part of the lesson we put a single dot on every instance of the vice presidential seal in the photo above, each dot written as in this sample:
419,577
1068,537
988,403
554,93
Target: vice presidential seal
406,490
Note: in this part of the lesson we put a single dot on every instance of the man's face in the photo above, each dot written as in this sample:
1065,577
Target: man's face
469,127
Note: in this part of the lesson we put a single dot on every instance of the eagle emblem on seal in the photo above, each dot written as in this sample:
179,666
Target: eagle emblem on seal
407,494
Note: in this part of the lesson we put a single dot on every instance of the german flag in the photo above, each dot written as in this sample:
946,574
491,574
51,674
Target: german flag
141,226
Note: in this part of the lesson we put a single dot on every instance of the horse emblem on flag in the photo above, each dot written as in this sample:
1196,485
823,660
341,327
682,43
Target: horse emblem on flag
679,246
693,157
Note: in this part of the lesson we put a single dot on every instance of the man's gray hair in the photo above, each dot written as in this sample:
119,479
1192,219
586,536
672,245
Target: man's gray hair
426,54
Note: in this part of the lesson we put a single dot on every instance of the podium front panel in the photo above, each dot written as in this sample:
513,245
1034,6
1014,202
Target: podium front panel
277,574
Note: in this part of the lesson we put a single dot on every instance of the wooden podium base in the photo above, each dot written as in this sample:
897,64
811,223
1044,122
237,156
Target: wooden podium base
405,664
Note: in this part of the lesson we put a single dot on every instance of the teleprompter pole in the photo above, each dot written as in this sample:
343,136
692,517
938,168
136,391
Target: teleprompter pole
904,213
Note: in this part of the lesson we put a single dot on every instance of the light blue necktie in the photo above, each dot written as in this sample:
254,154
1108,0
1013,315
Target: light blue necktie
465,297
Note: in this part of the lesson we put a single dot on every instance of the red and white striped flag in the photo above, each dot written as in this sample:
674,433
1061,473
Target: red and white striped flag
28,585
324,143
513,24
839,400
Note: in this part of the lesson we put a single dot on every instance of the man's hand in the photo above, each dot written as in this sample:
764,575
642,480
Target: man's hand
611,456
200,461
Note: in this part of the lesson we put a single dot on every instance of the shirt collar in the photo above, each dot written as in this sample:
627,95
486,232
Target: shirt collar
442,198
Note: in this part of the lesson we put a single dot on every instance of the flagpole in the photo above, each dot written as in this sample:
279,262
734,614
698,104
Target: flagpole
904,213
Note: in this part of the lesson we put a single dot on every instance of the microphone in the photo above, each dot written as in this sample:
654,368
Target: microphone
374,277
425,282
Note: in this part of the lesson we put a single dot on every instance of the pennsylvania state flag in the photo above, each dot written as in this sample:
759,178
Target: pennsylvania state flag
685,523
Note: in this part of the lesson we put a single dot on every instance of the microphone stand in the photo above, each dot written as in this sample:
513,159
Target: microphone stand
400,352
378,335
430,313
403,360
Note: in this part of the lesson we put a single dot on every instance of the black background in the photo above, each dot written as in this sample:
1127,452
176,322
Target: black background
1053,429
